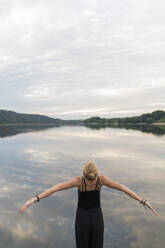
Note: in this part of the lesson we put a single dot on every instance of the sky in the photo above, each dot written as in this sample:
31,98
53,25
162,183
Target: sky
74,59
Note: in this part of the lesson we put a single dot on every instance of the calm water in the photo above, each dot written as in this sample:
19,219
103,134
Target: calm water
33,161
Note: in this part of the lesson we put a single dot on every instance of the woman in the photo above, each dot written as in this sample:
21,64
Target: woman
89,223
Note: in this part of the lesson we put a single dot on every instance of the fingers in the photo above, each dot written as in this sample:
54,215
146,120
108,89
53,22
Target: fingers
151,208
155,213
23,209
26,205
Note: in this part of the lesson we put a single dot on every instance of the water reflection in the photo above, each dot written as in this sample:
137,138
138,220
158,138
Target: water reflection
154,129
32,162
10,130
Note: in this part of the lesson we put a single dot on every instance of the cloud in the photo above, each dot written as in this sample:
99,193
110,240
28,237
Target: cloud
59,58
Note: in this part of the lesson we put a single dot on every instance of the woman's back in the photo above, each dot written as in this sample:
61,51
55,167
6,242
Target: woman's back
89,199
90,185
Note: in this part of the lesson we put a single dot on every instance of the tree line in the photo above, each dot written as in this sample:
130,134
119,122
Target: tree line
149,118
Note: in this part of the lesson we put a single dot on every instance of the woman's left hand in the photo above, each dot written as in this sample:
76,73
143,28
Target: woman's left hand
28,204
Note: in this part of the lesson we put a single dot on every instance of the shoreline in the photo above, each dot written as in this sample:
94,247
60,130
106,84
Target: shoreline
18,124
55,124
118,124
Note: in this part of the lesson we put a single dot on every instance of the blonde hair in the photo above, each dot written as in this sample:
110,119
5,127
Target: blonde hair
90,170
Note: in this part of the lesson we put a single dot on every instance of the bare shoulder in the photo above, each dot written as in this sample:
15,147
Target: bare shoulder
101,176
104,179
77,180
107,181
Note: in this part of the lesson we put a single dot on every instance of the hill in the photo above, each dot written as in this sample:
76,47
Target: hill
11,117
148,118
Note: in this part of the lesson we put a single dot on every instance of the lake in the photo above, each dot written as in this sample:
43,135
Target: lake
34,159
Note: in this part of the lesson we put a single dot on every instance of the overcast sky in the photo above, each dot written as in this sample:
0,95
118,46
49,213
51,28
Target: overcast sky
73,59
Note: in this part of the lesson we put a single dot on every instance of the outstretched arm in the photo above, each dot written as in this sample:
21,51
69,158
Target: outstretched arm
112,184
58,187
66,185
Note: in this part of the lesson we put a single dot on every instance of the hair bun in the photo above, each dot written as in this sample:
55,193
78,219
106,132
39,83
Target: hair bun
90,170
91,175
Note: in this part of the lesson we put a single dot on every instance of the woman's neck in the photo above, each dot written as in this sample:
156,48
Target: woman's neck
90,182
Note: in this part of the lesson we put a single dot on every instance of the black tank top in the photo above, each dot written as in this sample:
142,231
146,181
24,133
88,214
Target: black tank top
89,198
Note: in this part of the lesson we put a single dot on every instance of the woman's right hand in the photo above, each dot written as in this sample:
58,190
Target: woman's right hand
28,204
151,208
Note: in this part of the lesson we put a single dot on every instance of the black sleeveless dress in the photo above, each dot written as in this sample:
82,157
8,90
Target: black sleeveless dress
89,223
